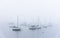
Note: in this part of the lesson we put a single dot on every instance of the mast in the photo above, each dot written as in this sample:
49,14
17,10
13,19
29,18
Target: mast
17,21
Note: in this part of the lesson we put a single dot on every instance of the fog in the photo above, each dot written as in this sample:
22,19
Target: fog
28,11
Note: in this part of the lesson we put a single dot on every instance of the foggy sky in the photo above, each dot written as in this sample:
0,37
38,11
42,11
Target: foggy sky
48,10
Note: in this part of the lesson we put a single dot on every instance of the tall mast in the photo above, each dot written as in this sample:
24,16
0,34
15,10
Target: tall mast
17,21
